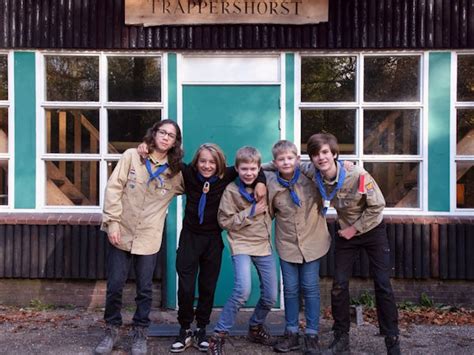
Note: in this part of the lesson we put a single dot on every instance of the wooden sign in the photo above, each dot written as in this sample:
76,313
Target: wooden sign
195,12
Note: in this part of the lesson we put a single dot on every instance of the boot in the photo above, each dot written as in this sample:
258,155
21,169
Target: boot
216,344
259,334
340,344
290,342
311,345
108,341
393,345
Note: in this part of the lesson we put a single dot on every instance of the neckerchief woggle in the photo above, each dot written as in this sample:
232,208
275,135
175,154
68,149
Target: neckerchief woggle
157,173
205,189
249,197
290,185
322,190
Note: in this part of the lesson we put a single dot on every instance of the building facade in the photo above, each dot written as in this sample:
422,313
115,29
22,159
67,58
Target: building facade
392,79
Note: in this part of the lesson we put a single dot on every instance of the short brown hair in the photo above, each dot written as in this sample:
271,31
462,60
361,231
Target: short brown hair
316,141
283,146
248,155
216,153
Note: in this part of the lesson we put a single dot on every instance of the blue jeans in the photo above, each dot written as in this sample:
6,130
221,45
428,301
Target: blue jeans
266,269
118,265
303,276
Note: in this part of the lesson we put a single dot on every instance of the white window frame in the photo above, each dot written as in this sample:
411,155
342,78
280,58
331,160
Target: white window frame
9,156
102,105
359,106
455,158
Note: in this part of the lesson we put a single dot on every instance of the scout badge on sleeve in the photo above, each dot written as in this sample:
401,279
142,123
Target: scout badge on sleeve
322,189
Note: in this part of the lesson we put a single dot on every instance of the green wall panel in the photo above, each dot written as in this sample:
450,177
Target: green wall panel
439,103
290,96
171,219
25,129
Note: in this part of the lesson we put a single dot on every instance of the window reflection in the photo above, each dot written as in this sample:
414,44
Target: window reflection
3,77
3,182
465,132
3,130
465,184
465,86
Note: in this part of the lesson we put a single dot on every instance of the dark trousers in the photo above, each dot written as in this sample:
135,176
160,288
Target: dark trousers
376,245
195,253
118,265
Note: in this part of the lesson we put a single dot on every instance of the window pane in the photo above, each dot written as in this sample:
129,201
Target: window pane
128,127
398,182
341,123
72,131
466,78
134,79
3,130
328,79
465,132
72,183
3,182
3,77
72,78
110,167
392,79
391,131
465,184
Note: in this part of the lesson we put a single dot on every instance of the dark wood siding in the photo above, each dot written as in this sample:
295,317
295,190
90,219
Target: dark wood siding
353,24
417,251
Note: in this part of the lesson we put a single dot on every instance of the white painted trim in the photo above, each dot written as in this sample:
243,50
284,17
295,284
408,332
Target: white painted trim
296,103
282,118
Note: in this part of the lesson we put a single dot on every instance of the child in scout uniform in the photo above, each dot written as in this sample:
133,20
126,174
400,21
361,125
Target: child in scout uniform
302,238
249,233
136,199
359,204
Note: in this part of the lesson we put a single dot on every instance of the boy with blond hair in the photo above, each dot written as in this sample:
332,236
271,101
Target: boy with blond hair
302,239
248,224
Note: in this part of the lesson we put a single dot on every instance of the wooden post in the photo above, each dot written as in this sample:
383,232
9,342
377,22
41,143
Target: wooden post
62,139
93,175
77,148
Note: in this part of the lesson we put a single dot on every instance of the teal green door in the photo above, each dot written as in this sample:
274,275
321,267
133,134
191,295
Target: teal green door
231,116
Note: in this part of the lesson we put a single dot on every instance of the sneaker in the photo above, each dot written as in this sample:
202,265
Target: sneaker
259,334
393,345
183,341
216,344
291,341
108,341
340,344
200,339
311,345
139,340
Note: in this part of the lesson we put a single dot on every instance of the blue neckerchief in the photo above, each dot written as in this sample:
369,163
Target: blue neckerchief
249,197
156,174
203,198
322,189
291,185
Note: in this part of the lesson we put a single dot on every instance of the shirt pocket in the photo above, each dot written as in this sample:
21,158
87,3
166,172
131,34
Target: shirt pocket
161,190
346,200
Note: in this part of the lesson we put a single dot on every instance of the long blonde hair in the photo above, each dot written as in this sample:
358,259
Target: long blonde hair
216,153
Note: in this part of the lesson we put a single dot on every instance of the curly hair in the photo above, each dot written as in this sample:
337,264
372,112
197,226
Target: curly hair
176,153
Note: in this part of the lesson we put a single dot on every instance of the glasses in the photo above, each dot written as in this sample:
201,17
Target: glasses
162,133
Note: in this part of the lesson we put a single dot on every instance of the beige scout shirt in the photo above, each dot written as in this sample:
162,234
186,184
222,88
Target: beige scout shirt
246,235
136,208
301,233
359,202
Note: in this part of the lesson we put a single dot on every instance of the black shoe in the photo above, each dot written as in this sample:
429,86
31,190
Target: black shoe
311,345
183,341
200,339
290,342
340,344
139,341
216,344
108,341
393,345
259,334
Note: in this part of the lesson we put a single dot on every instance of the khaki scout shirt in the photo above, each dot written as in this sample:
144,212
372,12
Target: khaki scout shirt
358,205
246,235
135,208
301,233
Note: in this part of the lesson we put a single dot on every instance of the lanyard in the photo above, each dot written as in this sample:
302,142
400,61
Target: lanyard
291,185
157,173
322,189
